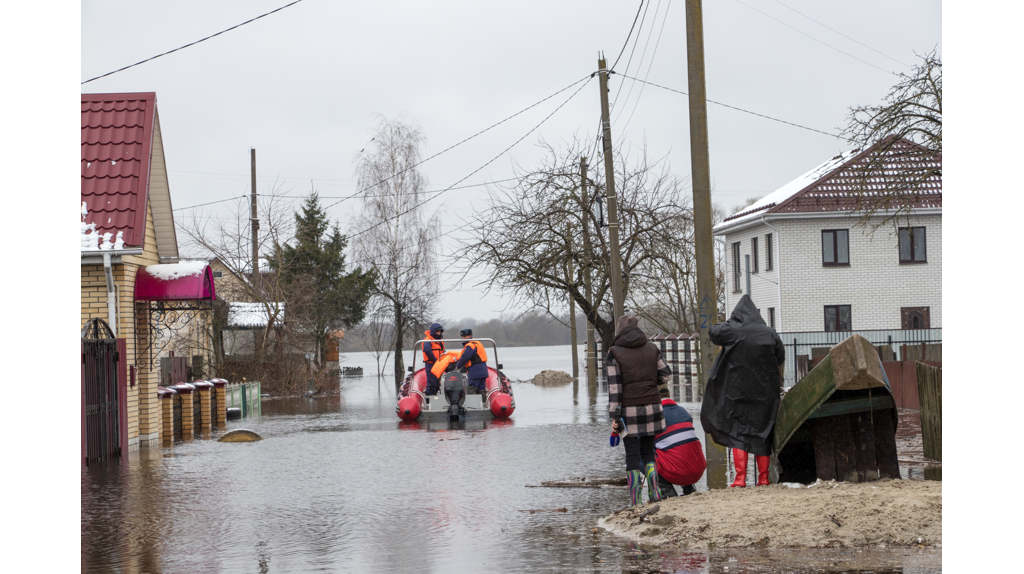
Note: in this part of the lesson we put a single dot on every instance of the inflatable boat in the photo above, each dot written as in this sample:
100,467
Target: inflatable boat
452,402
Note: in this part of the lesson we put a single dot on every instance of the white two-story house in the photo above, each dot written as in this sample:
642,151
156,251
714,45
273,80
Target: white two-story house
815,266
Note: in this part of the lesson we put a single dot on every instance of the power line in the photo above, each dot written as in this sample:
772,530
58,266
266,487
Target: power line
615,101
210,203
626,43
193,43
740,109
650,65
841,34
394,175
815,39
489,162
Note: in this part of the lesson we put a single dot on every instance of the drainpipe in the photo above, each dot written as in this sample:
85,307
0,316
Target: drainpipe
107,270
778,273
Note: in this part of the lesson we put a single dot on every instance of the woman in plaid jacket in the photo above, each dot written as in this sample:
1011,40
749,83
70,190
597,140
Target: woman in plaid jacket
637,381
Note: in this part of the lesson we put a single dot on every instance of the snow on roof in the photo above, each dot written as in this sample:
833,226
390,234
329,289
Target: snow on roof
789,190
92,240
252,314
168,271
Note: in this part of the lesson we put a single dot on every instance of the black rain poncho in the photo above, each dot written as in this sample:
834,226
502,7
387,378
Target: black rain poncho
742,395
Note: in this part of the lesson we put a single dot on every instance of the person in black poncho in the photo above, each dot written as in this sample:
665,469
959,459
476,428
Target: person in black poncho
742,395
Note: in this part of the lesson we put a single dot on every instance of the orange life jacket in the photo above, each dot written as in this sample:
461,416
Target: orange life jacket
481,354
437,348
442,364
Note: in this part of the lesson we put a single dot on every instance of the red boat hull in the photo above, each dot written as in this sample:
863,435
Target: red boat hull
412,397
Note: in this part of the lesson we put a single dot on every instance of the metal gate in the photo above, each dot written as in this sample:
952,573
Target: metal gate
104,394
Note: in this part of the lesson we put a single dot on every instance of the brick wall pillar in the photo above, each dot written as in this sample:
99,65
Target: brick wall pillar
166,399
188,422
220,406
205,389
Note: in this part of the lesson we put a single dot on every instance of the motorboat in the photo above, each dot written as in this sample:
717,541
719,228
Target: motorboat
452,402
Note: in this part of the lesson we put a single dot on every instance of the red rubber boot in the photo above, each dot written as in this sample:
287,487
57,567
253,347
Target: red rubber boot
762,470
739,458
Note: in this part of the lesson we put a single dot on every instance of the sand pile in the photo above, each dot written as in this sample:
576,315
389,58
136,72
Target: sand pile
826,514
550,378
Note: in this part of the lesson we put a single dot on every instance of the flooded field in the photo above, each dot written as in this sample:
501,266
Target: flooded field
339,485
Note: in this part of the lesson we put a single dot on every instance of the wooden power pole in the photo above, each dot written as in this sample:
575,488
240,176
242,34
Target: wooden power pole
591,355
613,211
703,241
254,219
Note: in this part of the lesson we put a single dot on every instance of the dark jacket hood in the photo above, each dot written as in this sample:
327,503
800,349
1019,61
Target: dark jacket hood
434,328
631,338
746,313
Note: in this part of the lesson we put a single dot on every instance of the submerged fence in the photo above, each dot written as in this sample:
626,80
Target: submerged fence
681,355
245,396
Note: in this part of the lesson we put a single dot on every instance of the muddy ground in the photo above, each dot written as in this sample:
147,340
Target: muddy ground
883,514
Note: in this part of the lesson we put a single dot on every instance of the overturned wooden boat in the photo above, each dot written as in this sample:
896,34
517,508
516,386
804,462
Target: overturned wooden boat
451,402
839,421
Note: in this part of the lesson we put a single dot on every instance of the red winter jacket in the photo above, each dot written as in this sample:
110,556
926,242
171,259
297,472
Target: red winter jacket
678,452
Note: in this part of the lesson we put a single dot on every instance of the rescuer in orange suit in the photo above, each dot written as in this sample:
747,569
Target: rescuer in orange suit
432,351
474,360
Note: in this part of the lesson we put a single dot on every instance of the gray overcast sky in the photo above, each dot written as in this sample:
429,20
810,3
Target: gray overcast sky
302,86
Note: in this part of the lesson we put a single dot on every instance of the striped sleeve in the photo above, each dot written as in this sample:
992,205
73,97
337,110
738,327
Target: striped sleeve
664,377
614,387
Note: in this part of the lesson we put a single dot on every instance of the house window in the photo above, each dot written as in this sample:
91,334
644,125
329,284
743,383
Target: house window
753,254
835,247
837,318
915,317
771,317
768,252
912,245
218,274
736,267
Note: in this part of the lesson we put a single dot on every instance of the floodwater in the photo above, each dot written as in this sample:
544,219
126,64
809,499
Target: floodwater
340,485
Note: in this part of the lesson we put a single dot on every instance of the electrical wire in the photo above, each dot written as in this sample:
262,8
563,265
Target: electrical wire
618,92
650,64
740,109
489,162
815,39
193,43
841,34
394,175
639,64
211,203
626,43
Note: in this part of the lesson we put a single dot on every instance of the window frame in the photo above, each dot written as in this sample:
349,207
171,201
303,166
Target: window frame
910,237
736,267
753,251
835,248
769,263
837,309
218,274
771,317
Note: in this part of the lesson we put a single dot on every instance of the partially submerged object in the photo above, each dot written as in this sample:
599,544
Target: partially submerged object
452,401
240,435
838,422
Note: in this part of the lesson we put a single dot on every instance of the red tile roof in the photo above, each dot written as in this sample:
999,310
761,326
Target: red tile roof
117,138
851,180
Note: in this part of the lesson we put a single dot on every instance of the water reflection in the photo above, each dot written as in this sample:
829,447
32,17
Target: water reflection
339,484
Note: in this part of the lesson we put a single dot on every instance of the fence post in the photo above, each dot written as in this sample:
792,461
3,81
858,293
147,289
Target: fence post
929,389
188,422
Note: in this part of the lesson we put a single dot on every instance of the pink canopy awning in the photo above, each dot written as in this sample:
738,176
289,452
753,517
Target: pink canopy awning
189,281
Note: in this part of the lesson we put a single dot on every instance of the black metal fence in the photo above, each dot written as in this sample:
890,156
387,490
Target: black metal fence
802,348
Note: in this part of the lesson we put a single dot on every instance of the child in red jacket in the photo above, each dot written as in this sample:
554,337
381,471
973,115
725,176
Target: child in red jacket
678,452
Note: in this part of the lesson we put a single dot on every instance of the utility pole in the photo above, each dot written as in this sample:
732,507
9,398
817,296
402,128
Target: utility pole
572,322
613,211
703,242
254,219
587,288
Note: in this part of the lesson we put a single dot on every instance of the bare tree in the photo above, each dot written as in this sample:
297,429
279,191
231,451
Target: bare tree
396,237
532,234
906,130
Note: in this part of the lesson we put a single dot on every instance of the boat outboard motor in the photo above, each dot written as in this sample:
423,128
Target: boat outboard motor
455,392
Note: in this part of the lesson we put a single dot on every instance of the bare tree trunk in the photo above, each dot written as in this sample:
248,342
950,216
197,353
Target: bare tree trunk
399,336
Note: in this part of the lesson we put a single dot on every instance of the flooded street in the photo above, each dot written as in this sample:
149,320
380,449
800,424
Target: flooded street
340,485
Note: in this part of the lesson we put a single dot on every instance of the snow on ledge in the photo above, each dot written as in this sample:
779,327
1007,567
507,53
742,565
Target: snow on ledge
169,271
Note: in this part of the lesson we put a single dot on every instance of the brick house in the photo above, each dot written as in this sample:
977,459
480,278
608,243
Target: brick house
814,267
127,228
